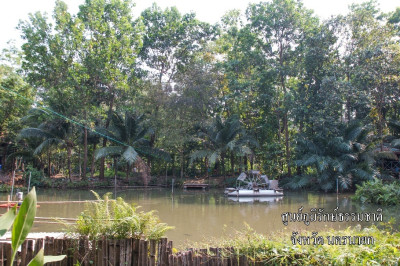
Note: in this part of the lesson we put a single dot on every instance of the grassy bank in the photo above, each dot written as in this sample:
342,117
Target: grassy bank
280,250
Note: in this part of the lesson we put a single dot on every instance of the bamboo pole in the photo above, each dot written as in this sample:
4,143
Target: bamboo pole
29,183
12,187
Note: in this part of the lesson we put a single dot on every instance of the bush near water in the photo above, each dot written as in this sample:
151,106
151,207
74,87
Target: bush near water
377,192
116,219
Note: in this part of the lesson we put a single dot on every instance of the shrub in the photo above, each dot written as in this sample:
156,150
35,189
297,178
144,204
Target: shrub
117,219
378,193
37,177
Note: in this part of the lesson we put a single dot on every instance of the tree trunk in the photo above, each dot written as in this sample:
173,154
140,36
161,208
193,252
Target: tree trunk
287,145
49,163
80,161
101,175
233,163
206,166
182,166
223,164
128,168
85,151
93,161
115,171
69,162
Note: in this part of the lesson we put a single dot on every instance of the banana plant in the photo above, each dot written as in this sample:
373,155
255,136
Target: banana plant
21,223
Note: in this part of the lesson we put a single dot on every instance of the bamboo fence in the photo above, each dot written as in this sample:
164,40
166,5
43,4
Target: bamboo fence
128,252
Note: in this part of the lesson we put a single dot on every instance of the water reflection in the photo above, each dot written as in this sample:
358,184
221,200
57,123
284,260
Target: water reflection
255,199
204,214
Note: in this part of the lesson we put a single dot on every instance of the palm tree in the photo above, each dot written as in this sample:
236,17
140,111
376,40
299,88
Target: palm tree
219,138
129,133
342,160
52,133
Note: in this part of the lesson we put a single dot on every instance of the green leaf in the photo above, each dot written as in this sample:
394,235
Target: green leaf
130,155
7,219
38,260
23,222
53,258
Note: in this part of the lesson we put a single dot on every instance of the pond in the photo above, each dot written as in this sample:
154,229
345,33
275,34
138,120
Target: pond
199,215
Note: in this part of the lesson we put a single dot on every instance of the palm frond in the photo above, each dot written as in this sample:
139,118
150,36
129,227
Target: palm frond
396,143
153,152
200,154
244,150
34,133
322,163
362,174
310,159
298,182
130,155
109,151
338,144
214,157
345,181
47,144
353,131
26,154
336,165
106,132
395,126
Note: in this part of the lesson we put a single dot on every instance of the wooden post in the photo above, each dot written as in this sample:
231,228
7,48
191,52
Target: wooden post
152,261
8,253
12,187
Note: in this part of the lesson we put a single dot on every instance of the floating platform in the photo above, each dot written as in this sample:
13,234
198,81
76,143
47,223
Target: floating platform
195,186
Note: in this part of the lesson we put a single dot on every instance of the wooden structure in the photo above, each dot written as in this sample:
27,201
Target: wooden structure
195,186
130,252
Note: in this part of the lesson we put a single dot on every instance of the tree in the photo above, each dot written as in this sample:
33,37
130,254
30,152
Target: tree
84,60
171,41
15,99
217,139
52,133
280,25
129,132
344,159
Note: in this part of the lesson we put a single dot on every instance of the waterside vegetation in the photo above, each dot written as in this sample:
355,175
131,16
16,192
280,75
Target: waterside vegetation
280,250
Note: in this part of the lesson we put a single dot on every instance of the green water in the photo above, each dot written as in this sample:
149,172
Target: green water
199,215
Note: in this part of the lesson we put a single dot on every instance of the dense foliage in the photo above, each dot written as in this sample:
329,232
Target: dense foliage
273,88
116,219
378,193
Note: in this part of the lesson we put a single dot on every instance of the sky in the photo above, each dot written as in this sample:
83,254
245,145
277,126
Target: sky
206,10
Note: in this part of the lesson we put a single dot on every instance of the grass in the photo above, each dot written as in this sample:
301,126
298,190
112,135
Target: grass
279,249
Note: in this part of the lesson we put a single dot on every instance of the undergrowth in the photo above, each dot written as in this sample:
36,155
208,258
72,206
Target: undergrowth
117,219
377,192
279,250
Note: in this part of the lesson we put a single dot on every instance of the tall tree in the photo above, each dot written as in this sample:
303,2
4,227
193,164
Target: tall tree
280,25
85,60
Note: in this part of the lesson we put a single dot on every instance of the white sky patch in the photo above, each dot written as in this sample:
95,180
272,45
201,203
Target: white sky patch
207,10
